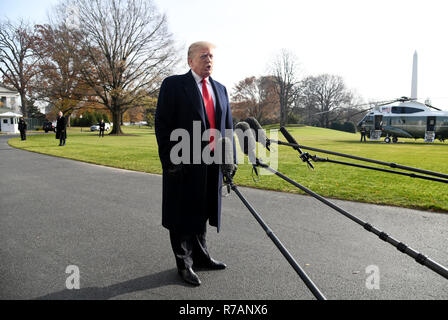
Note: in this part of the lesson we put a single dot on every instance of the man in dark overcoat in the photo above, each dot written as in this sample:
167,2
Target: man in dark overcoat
102,127
363,133
61,129
22,128
192,102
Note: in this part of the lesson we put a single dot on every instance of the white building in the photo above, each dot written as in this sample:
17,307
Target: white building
9,110
9,122
10,99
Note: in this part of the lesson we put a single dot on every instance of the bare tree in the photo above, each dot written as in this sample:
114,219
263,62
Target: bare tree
17,62
284,70
353,112
306,102
328,94
128,50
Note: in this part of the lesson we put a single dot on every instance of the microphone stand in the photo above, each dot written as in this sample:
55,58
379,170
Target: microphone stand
412,175
305,278
306,157
389,164
420,258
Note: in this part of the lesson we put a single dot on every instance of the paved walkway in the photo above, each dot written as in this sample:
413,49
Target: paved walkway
56,212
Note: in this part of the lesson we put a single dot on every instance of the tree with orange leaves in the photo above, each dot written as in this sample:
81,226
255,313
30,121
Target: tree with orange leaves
256,97
59,80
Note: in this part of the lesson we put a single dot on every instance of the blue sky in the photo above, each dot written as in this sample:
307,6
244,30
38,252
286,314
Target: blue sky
369,43
35,10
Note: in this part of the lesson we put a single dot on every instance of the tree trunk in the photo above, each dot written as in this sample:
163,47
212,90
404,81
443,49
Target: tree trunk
322,121
116,120
282,121
282,113
23,107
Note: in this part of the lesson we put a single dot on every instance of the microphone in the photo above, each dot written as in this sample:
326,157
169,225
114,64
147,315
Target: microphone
246,140
290,139
228,167
260,134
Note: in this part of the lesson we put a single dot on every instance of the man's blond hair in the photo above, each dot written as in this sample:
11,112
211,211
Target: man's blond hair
194,47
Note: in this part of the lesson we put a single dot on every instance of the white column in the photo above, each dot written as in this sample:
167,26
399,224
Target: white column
414,76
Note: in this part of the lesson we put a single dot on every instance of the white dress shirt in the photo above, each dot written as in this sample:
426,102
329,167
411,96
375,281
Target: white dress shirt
198,80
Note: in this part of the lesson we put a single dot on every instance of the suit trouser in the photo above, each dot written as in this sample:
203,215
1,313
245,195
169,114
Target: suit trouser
23,135
189,247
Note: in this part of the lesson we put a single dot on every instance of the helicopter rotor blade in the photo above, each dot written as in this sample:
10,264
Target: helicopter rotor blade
354,107
430,106
377,104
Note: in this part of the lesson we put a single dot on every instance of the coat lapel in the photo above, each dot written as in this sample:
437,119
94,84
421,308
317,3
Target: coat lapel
218,106
194,95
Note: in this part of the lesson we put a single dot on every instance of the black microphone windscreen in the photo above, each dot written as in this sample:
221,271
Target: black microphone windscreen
289,138
260,135
227,146
240,130
246,140
228,167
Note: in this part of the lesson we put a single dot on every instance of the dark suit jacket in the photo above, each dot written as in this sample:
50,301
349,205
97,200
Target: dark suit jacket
22,125
186,205
61,128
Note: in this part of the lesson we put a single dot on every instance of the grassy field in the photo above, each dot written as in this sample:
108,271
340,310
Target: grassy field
138,151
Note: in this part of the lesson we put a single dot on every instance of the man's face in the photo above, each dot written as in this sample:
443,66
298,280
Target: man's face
202,62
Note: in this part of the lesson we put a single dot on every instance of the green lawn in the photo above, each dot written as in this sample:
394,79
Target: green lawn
138,151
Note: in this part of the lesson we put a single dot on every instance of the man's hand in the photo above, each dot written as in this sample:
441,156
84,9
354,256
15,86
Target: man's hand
234,169
229,170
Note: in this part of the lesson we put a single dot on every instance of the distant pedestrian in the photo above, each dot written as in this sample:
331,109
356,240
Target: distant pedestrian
102,127
22,128
61,129
363,133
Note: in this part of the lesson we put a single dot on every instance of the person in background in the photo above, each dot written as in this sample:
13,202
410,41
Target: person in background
22,129
363,133
102,128
61,129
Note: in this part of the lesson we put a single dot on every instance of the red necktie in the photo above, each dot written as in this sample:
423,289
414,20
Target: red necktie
209,107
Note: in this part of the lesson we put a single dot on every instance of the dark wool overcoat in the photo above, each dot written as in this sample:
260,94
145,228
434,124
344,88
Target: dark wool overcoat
22,126
191,191
61,128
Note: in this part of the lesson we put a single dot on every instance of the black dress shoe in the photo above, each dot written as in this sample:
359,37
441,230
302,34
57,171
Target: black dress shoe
212,264
189,276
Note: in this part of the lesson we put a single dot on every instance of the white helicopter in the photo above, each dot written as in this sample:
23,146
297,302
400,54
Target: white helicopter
408,119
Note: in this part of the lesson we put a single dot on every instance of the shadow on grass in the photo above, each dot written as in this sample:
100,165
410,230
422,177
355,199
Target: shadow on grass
156,280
